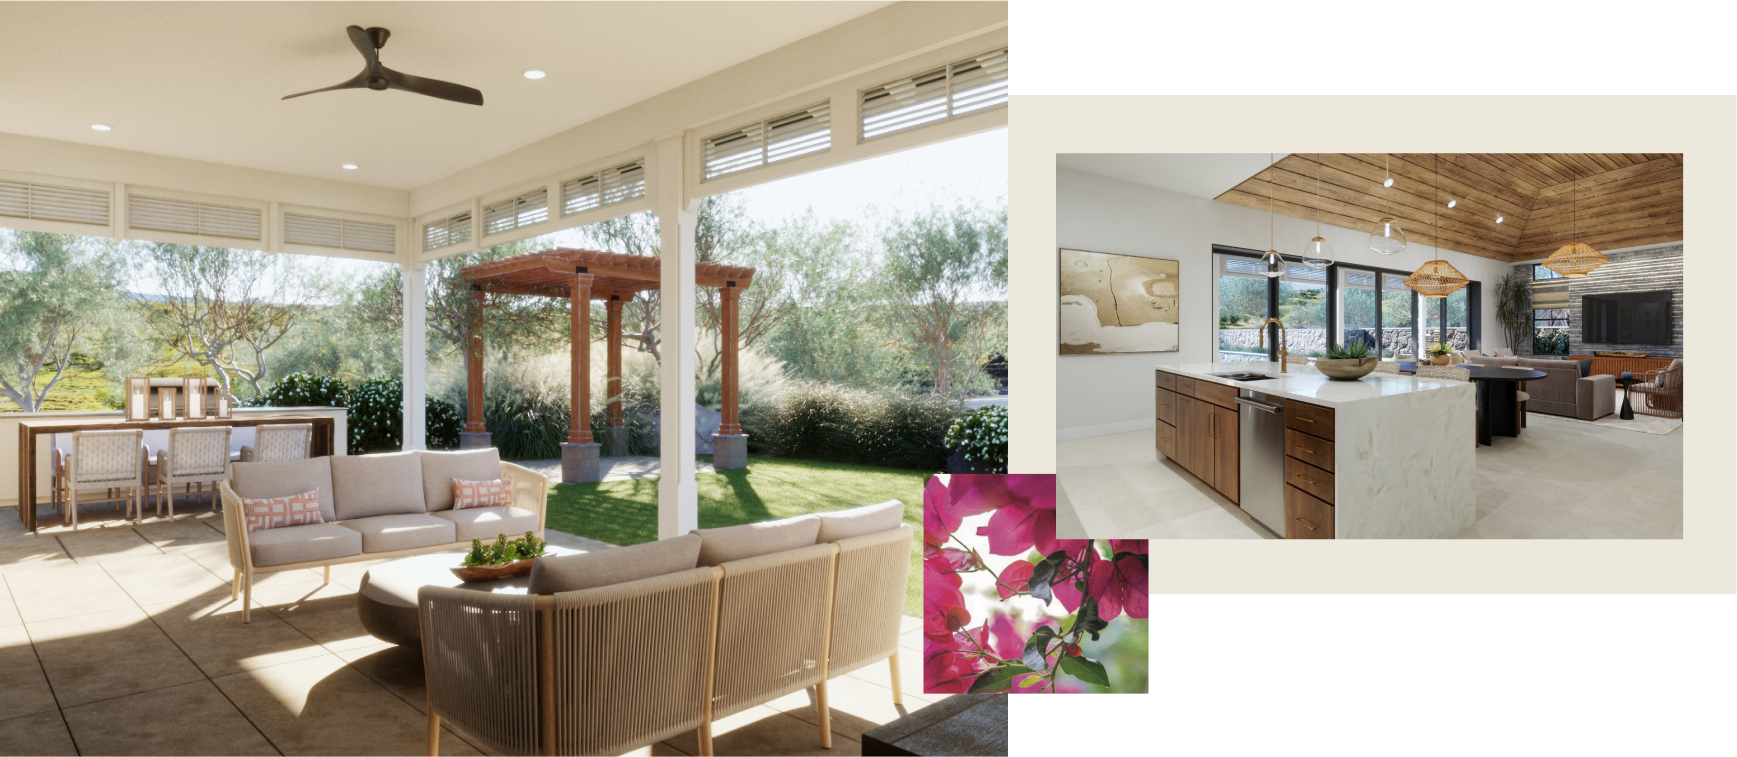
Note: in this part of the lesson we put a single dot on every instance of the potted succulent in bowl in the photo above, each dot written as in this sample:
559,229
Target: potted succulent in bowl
503,559
1439,352
1347,362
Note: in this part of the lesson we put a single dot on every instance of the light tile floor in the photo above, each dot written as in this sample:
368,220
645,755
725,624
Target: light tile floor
122,639
1557,480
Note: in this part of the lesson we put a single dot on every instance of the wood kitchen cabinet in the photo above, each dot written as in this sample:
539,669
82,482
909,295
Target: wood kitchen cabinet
1226,472
1204,436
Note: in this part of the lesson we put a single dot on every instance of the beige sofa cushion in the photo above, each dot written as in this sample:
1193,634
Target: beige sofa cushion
367,485
286,479
555,573
385,533
440,468
858,521
486,523
292,544
721,545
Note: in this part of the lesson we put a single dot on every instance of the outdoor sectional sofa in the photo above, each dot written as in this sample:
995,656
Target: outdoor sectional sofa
374,506
616,649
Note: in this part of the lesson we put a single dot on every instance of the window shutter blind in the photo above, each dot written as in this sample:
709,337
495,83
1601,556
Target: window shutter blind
454,230
624,183
580,195
1550,297
162,214
54,203
337,232
969,85
607,187
788,136
524,210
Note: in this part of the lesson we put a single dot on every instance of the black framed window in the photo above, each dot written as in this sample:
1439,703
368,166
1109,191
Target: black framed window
1550,331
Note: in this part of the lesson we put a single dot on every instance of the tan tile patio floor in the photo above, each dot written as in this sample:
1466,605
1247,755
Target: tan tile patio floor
122,639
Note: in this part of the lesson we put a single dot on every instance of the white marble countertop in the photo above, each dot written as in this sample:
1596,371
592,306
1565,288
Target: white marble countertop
1306,384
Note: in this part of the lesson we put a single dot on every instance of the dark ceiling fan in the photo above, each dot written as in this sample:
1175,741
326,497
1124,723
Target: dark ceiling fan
375,76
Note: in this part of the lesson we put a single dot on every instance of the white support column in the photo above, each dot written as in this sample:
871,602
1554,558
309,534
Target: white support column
415,356
678,499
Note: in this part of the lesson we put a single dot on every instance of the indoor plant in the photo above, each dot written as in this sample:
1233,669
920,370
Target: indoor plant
1347,362
1439,352
503,559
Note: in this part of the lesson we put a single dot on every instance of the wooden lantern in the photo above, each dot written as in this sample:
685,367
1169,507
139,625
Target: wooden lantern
165,406
138,398
194,391
221,402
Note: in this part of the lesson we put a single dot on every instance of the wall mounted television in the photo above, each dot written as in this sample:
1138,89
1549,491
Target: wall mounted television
1626,318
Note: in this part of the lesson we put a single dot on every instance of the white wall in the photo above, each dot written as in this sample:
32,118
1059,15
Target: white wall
1106,394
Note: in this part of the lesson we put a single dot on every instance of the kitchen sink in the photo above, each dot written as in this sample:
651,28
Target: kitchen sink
1242,376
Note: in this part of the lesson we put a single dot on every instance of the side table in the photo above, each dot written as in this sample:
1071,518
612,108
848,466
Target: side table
962,724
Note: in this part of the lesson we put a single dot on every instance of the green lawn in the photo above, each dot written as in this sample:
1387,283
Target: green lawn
625,512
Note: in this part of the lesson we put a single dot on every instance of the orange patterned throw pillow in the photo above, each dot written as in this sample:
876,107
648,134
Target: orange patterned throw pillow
295,510
496,493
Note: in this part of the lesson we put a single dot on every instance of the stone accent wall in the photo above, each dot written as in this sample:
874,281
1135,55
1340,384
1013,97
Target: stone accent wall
1649,270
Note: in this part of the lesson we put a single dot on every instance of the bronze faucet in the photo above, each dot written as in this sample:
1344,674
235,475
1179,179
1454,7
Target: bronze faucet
1282,352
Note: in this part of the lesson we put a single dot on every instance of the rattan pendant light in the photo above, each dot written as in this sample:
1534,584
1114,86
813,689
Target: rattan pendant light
1271,264
1575,259
1317,254
1437,278
1387,238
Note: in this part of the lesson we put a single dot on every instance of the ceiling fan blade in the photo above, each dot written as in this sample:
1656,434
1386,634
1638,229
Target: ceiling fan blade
359,82
433,87
364,44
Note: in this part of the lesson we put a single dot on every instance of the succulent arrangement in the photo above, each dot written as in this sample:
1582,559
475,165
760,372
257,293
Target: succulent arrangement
504,551
1353,351
1440,348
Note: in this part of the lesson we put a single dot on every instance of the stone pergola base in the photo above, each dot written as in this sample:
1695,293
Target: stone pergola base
581,463
475,440
729,452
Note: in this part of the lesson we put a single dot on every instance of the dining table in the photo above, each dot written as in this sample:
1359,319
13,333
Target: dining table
1498,396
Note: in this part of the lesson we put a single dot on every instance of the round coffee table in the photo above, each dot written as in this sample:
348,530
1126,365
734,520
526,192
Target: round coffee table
386,601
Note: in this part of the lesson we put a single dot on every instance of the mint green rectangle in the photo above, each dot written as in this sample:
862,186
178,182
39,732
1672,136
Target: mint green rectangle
1444,686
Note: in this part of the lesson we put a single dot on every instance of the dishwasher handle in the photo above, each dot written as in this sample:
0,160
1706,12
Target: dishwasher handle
1259,405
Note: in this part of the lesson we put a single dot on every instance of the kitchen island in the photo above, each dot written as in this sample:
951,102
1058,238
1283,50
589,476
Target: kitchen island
1382,457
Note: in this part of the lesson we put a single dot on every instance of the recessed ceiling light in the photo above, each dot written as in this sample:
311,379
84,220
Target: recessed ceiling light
349,166
1451,203
1388,183
535,73
1498,219
100,127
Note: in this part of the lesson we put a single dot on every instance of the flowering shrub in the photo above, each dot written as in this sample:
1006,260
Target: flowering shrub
304,389
1004,651
981,437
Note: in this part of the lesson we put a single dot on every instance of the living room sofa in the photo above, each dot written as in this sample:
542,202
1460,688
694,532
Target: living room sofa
373,506
616,649
1562,391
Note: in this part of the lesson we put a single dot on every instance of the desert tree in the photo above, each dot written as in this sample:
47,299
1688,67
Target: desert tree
60,300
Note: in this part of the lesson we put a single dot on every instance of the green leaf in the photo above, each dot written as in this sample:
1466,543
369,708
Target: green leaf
1042,574
1090,671
1036,646
1033,681
1086,621
998,678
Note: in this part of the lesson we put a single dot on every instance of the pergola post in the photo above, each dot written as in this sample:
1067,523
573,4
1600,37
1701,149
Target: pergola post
580,462
729,445
616,441
678,494
475,434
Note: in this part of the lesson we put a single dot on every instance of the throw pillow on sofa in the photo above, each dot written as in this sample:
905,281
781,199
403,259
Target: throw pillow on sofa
275,512
589,570
722,545
496,493
860,521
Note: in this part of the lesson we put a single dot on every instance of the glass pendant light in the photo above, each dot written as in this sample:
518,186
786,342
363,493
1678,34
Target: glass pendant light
1271,263
1437,278
1575,259
1317,254
1386,238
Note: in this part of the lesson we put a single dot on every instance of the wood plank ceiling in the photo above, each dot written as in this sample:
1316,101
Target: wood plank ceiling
1623,199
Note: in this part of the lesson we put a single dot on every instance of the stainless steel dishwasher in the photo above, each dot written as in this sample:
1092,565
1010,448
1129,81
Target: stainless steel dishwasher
1263,458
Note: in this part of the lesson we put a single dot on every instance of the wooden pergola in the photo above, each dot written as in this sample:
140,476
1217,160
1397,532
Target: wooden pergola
580,276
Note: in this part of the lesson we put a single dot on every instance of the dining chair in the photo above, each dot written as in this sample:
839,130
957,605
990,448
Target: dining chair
193,457
108,461
279,442
1387,367
1296,359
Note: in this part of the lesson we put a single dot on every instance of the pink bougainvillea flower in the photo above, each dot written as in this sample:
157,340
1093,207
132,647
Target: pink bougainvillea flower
944,610
939,522
951,664
1119,587
1036,490
953,559
1134,546
1070,592
1013,579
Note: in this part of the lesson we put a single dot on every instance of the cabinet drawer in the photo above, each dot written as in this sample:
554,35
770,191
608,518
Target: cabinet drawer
1310,419
1218,394
1167,381
1166,440
1166,406
1316,452
1185,386
1306,517
1309,478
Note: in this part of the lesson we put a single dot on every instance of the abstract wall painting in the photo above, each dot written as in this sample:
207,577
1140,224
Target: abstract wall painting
1117,304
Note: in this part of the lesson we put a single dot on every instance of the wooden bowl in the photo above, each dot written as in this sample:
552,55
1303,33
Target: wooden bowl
1348,369
512,569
